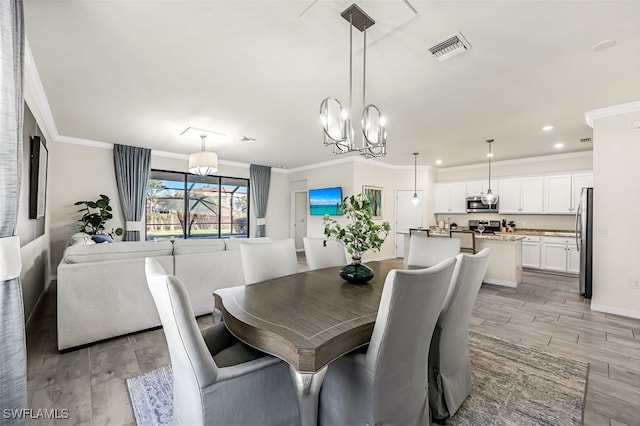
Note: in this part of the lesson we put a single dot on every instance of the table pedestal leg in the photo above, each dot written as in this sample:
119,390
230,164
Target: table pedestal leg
308,390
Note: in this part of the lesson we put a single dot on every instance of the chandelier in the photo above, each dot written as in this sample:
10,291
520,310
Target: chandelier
489,198
336,121
203,163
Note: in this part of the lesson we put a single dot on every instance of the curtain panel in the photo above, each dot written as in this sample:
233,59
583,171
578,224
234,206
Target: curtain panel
260,178
132,166
13,361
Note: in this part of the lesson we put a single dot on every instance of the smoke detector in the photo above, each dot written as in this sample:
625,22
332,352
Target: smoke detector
585,140
450,47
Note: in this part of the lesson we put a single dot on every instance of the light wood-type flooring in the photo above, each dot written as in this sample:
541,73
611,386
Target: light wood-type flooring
545,311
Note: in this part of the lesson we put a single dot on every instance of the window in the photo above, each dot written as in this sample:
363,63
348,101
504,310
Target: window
182,205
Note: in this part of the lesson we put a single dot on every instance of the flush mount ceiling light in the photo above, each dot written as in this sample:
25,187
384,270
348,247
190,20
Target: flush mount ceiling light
203,163
489,198
415,200
336,121
603,45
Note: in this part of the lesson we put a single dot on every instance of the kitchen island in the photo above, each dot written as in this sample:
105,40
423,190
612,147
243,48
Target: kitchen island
505,260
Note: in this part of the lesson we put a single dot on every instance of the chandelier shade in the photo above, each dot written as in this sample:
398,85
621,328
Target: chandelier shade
203,163
336,121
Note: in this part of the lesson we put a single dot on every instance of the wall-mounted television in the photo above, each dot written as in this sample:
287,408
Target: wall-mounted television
325,201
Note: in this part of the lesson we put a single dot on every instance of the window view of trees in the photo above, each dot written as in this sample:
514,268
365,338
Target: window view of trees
181,205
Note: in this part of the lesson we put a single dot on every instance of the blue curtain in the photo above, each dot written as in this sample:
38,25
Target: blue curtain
132,166
13,360
260,178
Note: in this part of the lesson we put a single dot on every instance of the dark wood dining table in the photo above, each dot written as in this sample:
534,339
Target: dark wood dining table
307,319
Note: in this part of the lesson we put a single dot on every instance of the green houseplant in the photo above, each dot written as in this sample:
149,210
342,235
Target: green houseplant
359,235
95,216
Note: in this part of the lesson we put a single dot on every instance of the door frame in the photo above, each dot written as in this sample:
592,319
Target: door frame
292,219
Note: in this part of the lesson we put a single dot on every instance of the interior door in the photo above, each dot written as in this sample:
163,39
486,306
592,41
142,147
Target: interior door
300,219
407,216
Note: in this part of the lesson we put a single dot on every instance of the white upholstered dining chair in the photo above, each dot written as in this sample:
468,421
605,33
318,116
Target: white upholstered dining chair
323,253
261,262
429,251
449,364
216,378
388,384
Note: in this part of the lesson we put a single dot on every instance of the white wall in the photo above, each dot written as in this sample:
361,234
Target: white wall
352,173
616,205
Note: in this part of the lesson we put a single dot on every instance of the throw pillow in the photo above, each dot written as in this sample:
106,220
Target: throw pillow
102,238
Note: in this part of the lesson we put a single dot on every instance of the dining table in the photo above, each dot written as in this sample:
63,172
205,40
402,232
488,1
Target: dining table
307,319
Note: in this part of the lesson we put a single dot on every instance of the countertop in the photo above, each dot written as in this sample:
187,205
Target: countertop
516,232
501,237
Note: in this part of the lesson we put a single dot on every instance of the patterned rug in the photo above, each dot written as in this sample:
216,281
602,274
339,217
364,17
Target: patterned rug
512,385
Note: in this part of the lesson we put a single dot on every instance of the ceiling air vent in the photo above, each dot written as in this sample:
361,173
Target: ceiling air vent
450,47
585,140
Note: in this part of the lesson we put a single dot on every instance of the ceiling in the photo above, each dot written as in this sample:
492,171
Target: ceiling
141,72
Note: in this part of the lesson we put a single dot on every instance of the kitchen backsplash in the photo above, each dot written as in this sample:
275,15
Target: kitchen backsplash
549,221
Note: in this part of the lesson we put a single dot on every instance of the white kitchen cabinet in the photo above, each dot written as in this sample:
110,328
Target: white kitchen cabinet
477,188
531,252
560,254
521,195
450,197
562,192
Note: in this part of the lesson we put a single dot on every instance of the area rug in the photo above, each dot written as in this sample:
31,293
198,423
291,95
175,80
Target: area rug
512,385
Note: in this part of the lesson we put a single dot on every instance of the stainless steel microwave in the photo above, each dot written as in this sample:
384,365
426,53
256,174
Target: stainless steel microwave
475,205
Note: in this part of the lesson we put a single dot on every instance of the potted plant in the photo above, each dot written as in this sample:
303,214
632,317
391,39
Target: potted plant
358,236
96,214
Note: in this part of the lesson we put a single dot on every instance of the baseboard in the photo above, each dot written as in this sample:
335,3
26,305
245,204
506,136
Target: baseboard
503,283
37,305
616,311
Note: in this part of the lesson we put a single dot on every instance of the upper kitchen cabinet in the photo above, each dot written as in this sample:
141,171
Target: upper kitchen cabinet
562,192
521,195
450,197
477,188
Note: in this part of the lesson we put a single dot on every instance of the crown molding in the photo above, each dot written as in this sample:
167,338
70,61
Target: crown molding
34,90
355,159
85,142
579,154
611,111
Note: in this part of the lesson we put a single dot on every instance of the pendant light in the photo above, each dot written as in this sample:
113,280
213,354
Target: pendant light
415,200
489,198
336,121
203,163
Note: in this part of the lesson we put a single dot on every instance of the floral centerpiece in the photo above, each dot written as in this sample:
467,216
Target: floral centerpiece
359,235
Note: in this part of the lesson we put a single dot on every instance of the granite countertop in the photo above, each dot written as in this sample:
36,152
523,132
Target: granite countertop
541,232
501,237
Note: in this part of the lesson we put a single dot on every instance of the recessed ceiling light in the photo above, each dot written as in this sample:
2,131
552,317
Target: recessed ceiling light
548,127
558,145
438,162
603,45
491,154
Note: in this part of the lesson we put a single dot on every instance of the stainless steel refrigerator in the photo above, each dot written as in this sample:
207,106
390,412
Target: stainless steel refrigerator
584,240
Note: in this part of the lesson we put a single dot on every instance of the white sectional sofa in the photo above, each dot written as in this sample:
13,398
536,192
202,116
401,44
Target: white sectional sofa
102,289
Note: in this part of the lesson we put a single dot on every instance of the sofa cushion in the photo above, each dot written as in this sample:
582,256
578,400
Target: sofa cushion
115,251
234,243
195,246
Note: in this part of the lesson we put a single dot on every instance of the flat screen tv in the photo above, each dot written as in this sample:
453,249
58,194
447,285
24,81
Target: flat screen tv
325,201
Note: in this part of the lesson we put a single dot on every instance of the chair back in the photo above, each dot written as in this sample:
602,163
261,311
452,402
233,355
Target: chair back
191,362
449,352
430,251
264,261
418,231
467,240
322,253
409,308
